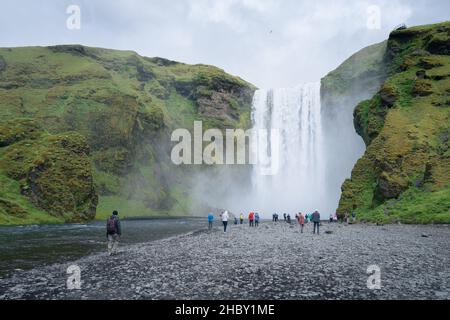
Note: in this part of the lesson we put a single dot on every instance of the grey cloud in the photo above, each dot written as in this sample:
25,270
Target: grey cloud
267,42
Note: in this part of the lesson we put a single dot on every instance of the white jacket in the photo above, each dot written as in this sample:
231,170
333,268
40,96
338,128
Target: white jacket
225,216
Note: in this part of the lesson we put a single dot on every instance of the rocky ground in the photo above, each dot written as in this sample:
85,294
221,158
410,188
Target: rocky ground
269,262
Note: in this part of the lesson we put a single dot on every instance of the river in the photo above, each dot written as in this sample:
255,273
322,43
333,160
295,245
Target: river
27,247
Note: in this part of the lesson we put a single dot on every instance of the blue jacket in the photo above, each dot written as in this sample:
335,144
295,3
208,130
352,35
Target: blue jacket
210,217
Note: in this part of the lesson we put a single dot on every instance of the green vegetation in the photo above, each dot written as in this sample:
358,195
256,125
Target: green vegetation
52,171
404,174
81,123
363,70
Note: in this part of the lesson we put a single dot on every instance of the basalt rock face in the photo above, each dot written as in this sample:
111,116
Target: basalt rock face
404,174
111,114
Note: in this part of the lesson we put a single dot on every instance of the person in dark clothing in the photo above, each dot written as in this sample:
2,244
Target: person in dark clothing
273,217
316,219
288,218
113,232
284,215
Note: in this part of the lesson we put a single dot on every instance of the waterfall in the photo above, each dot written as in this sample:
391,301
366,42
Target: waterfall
288,175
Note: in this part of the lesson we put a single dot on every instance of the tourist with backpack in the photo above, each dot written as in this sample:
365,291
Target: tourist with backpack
251,217
113,233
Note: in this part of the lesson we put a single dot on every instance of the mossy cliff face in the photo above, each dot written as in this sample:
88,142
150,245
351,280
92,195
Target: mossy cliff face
53,172
111,114
404,175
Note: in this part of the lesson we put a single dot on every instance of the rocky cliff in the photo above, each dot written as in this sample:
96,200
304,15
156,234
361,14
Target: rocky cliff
404,174
86,130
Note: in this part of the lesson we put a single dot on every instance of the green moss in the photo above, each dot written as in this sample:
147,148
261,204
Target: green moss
124,106
404,174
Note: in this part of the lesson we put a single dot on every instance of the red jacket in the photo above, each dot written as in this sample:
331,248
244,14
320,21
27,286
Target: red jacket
251,216
301,219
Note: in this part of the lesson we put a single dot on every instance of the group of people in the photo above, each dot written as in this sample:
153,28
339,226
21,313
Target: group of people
302,219
113,229
254,218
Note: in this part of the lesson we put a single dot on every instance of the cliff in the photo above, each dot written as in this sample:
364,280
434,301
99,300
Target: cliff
404,174
86,130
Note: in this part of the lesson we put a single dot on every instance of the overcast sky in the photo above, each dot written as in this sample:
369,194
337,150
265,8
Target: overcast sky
271,43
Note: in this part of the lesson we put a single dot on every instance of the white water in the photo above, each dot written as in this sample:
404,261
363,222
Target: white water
299,182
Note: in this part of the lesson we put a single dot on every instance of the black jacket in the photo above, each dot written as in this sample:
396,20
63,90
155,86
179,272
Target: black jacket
118,228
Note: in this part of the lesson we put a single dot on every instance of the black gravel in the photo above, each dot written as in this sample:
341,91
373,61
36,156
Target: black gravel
269,262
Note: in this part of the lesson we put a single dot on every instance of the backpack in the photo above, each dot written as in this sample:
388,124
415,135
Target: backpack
111,226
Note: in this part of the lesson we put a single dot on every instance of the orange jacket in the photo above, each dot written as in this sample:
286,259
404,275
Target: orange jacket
301,219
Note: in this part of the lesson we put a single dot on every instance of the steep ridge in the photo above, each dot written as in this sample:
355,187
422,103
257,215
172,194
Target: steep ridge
82,126
404,174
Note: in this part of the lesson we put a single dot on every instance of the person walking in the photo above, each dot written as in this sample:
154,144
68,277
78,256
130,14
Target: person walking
113,232
251,217
284,215
241,218
225,220
288,218
210,220
301,221
316,219
256,219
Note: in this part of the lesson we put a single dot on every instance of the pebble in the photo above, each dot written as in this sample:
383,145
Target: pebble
273,262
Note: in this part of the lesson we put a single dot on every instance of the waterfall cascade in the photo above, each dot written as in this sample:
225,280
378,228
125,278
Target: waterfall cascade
289,175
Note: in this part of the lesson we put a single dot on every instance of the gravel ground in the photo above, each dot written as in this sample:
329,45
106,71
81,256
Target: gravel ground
269,262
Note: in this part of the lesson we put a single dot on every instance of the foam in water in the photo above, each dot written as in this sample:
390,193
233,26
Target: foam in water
298,184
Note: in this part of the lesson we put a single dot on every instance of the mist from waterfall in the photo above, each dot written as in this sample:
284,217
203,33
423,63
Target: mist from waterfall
297,182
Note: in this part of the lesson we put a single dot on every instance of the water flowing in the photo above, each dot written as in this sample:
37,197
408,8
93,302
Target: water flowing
289,171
